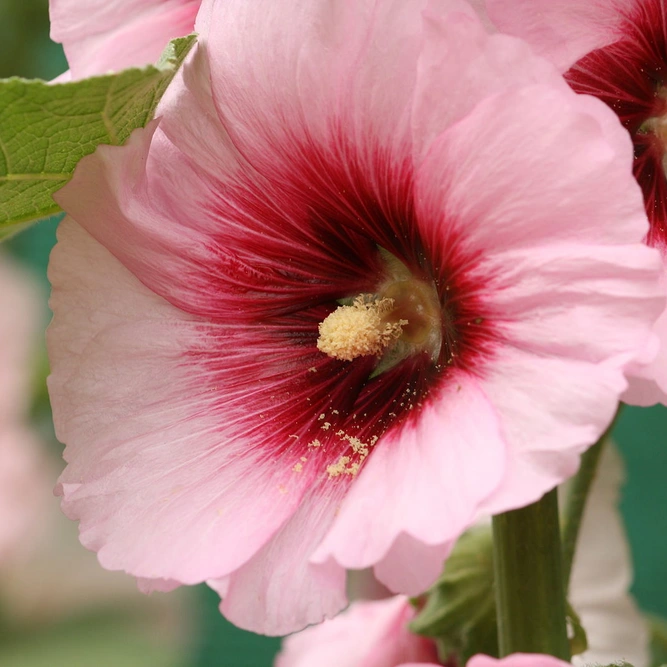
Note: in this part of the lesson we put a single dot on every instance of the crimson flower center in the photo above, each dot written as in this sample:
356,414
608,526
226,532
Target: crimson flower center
401,319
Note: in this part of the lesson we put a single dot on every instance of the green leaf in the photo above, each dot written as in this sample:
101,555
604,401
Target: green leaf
460,611
45,129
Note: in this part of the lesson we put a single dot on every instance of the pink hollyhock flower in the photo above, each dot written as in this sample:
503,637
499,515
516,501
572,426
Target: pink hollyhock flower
24,491
368,634
103,35
616,51
23,477
386,263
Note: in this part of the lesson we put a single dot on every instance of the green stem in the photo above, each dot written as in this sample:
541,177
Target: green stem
530,595
576,504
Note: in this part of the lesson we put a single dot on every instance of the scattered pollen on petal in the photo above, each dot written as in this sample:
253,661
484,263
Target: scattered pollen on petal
339,468
350,463
359,330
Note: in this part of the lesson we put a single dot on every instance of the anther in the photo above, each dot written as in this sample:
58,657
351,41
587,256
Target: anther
362,329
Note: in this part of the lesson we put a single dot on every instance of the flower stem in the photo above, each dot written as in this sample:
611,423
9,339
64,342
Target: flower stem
576,503
530,595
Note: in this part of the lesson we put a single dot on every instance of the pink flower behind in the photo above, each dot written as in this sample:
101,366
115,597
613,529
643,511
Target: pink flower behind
378,157
24,478
368,634
374,634
616,50
103,35
516,660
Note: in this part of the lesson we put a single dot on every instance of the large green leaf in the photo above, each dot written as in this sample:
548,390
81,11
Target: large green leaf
45,129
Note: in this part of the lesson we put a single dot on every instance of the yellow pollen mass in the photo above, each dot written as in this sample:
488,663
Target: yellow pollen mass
361,329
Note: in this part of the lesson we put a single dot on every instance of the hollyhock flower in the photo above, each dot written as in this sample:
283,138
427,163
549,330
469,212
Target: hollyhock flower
384,264
24,484
617,51
367,634
103,35
374,634
23,478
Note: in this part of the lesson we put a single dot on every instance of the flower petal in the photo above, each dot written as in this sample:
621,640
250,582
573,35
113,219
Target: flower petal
155,506
437,469
648,384
410,565
460,65
370,80
488,173
287,592
516,660
561,31
104,35
368,634
548,424
139,225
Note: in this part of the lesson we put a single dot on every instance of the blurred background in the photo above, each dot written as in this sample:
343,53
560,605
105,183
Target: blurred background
57,606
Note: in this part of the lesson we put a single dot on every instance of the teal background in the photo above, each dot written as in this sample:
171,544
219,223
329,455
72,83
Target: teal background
641,433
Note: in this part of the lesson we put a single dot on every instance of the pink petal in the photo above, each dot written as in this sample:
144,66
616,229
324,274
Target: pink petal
155,506
369,82
508,147
549,300
278,591
517,660
648,384
530,291
203,138
561,31
410,566
104,35
25,479
139,200
368,634
438,470
548,424
157,585
460,65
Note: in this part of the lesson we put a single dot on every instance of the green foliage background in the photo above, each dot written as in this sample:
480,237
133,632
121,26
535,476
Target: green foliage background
25,50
